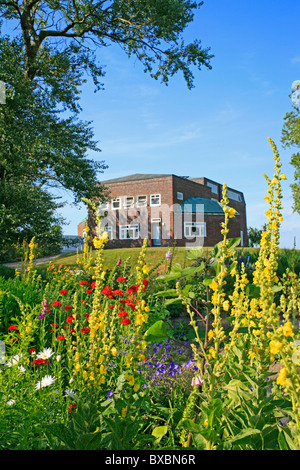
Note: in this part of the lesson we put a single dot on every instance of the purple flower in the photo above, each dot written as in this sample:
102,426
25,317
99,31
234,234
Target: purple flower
197,381
44,310
169,255
119,262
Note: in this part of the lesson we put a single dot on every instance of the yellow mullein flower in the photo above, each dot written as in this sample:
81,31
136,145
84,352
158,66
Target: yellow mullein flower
210,335
130,379
231,212
275,346
212,352
214,285
226,305
145,269
288,329
114,351
281,377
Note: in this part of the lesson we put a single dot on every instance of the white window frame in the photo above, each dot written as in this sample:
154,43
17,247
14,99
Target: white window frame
157,196
179,196
109,230
188,226
104,206
124,232
126,203
213,187
234,196
113,201
141,204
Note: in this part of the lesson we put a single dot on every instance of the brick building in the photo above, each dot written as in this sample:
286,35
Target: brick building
164,207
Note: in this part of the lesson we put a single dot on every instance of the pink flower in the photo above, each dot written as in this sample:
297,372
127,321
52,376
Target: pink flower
197,381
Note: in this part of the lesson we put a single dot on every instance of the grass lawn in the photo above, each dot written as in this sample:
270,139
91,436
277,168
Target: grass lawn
154,255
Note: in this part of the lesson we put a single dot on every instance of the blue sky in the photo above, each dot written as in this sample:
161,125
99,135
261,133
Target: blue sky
218,129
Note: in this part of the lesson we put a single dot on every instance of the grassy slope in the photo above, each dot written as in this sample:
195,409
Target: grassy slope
154,255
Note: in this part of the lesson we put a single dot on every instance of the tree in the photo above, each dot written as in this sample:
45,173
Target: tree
291,138
39,151
254,236
44,67
36,144
150,30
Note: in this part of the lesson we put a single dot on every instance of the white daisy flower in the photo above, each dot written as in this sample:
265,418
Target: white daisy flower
45,354
11,402
69,392
14,360
45,382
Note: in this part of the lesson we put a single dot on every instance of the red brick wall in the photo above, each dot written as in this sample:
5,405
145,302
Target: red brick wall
168,187
80,229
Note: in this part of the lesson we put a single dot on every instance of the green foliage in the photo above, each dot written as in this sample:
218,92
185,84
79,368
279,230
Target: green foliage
291,139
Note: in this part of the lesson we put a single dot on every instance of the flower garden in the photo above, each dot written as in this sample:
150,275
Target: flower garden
92,359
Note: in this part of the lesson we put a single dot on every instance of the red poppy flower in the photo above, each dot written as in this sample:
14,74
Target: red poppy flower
123,314
60,338
89,291
71,407
63,291
111,306
32,350
13,327
70,319
125,321
85,330
68,307
81,283
93,284
40,361
145,282
118,292
121,279
82,301
107,291
57,303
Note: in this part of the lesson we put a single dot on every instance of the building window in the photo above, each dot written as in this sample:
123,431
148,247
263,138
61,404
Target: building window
194,229
155,200
103,206
213,187
235,196
129,232
109,230
180,196
141,201
128,202
116,203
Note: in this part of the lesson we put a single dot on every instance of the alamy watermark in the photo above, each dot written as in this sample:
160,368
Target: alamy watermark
2,93
296,93
159,224
2,352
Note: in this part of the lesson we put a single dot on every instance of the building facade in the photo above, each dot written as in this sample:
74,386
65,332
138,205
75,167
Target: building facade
164,208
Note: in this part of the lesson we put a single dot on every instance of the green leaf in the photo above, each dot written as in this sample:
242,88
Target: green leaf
190,426
194,253
207,281
157,332
243,437
252,291
167,293
200,441
159,432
